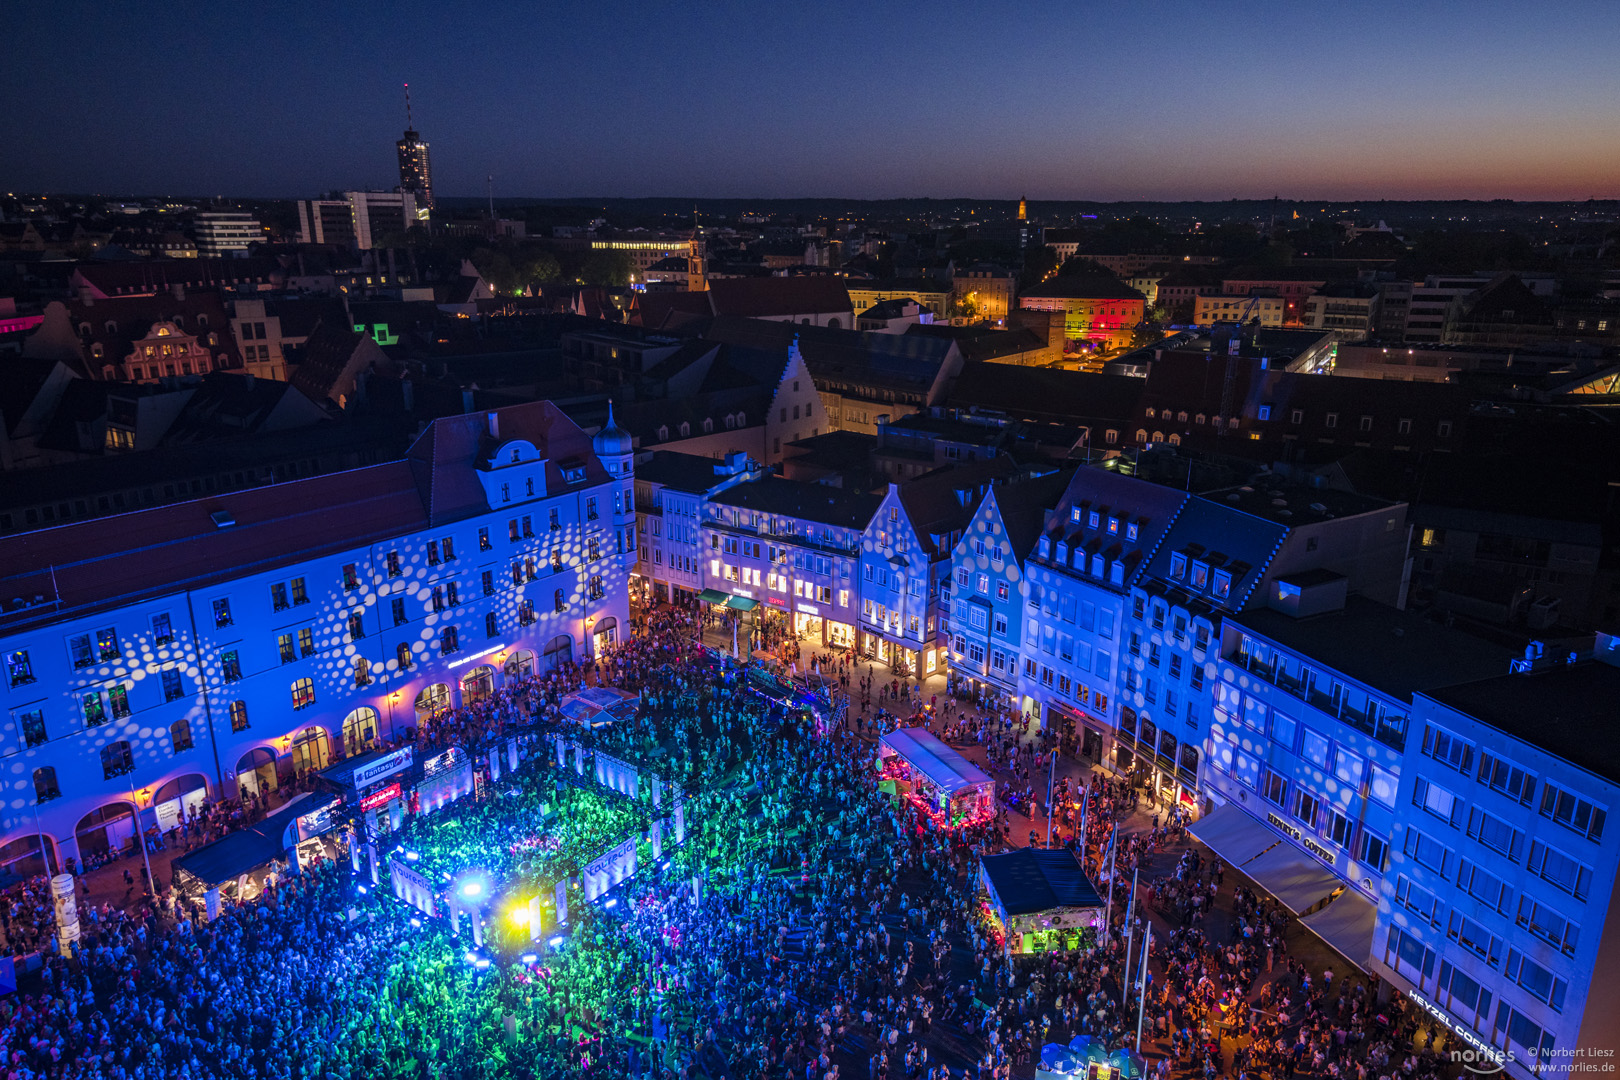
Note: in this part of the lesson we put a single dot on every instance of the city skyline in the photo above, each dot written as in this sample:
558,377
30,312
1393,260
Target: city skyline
725,102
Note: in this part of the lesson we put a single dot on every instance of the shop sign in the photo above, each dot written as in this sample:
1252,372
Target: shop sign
372,771
380,797
1319,851
808,609
776,600
1282,826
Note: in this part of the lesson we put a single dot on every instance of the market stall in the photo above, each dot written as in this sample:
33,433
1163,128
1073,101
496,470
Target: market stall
1041,900
238,865
948,788
596,706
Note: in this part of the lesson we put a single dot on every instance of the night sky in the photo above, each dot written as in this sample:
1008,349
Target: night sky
1081,100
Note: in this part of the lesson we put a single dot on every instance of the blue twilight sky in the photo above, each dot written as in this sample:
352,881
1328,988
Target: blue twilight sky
1158,99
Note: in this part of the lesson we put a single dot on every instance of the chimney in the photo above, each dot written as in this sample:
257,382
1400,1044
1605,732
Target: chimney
494,420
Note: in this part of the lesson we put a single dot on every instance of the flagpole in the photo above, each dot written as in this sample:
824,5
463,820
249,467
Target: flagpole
1108,918
1085,802
1130,936
1051,770
1141,1000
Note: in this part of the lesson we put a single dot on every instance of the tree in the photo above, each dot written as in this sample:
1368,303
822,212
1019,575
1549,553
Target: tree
608,268
1039,264
542,267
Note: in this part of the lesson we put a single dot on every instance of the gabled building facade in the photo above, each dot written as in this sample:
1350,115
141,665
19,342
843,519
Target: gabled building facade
228,644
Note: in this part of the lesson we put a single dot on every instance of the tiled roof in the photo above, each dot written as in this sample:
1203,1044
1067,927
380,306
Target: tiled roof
1085,287
754,298
687,473
806,502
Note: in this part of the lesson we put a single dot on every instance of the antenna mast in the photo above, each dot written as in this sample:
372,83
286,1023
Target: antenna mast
408,124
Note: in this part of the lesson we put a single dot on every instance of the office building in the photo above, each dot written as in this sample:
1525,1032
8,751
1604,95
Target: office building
227,233
359,219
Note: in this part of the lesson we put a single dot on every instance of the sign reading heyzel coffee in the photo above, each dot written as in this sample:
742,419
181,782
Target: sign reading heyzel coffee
380,797
387,765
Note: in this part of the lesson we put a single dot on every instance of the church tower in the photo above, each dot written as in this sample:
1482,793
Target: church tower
1023,210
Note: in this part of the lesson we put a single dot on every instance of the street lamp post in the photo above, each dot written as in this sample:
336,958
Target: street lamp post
140,836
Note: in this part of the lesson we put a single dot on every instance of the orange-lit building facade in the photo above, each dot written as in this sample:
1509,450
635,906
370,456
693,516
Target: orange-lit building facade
1099,314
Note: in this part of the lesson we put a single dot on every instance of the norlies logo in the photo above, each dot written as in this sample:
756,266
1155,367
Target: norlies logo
1485,1061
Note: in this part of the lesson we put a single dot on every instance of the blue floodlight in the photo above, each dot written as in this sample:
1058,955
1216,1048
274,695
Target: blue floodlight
472,958
417,923
411,856
556,942
361,889
471,889
481,965
528,958
613,901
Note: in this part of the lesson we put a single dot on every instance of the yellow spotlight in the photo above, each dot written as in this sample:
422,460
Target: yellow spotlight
519,915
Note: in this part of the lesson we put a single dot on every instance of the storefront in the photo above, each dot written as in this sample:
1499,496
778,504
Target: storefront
808,626
373,785
520,664
104,830
311,751
432,700
1081,725
559,651
1156,761
256,772
360,729
477,685
603,635
179,799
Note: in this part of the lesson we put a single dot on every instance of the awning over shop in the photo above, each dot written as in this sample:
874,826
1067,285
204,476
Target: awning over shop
1347,925
713,596
232,856
741,603
1233,834
1294,878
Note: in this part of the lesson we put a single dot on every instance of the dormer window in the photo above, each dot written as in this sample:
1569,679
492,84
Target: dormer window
1150,412
1199,419
1096,566
1178,565
1096,517
1113,526
1130,531
1200,578
163,331
1063,553
686,430
708,425
1074,515
516,456
663,434
1046,547
1223,583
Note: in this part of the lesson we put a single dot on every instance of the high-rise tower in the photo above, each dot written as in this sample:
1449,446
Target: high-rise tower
415,175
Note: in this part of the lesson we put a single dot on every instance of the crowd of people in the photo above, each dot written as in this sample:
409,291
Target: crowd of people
810,925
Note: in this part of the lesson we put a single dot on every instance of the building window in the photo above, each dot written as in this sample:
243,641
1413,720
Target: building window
299,594
162,629
116,760
490,627
398,607
306,642
394,567
278,597
403,654
1572,812
303,693
222,612
239,716
173,685
483,539
180,735
32,725
449,641
45,788
357,626
1332,420
489,582
557,602
351,578
362,671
